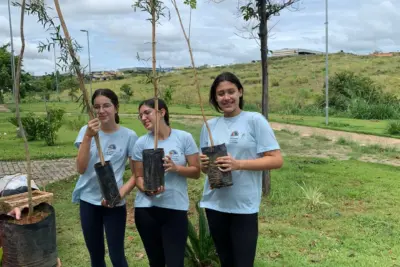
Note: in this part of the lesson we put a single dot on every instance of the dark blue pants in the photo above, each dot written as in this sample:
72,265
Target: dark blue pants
235,237
96,219
164,233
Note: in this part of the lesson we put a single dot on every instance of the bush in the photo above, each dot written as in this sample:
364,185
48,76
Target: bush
29,123
274,82
44,128
77,123
361,109
200,249
127,92
345,86
393,127
167,94
48,126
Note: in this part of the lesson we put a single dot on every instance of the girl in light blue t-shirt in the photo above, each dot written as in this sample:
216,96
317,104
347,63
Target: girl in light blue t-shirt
96,217
232,212
161,217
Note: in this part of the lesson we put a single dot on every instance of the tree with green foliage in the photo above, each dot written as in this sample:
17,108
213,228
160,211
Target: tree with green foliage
6,82
262,11
127,91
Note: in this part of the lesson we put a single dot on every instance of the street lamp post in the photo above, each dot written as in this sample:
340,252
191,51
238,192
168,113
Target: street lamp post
55,68
90,68
326,65
12,51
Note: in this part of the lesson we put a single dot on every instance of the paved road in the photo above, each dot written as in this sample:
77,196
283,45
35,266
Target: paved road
43,171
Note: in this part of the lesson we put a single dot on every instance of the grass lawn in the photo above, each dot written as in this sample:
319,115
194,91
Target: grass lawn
357,226
12,147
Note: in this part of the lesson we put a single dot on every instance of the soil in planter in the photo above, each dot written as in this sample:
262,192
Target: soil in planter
107,182
216,177
37,216
153,169
30,244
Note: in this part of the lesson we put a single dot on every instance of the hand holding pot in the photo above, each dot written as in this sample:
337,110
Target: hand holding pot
93,127
140,186
204,161
169,164
104,203
227,163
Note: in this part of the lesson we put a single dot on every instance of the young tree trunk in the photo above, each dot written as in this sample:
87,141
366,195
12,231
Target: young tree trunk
196,79
17,112
264,68
155,80
76,65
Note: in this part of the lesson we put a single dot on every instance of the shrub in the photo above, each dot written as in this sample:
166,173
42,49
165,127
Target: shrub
127,92
29,123
274,82
361,109
345,86
167,94
77,123
48,126
200,249
393,127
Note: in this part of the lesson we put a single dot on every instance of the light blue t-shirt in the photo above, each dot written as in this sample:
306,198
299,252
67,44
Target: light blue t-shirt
179,144
246,136
116,147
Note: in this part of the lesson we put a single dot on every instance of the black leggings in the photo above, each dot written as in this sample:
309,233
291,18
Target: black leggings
164,233
96,219
235,237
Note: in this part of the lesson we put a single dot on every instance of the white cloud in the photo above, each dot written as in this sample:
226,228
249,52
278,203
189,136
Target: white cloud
118,33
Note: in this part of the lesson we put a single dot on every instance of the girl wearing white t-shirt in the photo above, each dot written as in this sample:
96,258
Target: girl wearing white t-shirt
96,218
232,212
161,217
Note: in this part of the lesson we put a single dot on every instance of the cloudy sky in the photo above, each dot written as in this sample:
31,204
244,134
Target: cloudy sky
118,33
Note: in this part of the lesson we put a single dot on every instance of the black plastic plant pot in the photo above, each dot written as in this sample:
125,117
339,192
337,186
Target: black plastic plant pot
216,177
107,182
31,244
153,169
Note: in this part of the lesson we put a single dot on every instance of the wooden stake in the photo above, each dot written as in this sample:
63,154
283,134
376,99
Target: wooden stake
76,64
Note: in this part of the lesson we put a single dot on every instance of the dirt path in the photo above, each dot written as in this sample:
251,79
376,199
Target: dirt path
362,139
4,109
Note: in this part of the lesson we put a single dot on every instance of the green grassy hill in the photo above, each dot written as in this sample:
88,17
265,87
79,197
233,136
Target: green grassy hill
291,78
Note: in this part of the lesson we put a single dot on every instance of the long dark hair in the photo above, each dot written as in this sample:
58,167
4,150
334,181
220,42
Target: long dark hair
161,105
109,94
224,77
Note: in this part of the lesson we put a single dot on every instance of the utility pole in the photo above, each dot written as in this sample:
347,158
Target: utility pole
90,68
326,66
55,68
12,51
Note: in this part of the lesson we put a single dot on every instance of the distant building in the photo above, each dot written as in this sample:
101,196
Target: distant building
380,54
294,52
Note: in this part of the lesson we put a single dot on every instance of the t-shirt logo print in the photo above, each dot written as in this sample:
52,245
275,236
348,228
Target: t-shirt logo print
111,149
174,154
234,137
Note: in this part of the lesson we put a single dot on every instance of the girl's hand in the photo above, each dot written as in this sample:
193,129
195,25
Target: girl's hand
204,161
140,186
93,127
227,163
169,164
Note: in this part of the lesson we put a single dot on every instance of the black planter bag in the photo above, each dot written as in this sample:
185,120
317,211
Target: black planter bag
108,184
216,177
153,169
30,245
